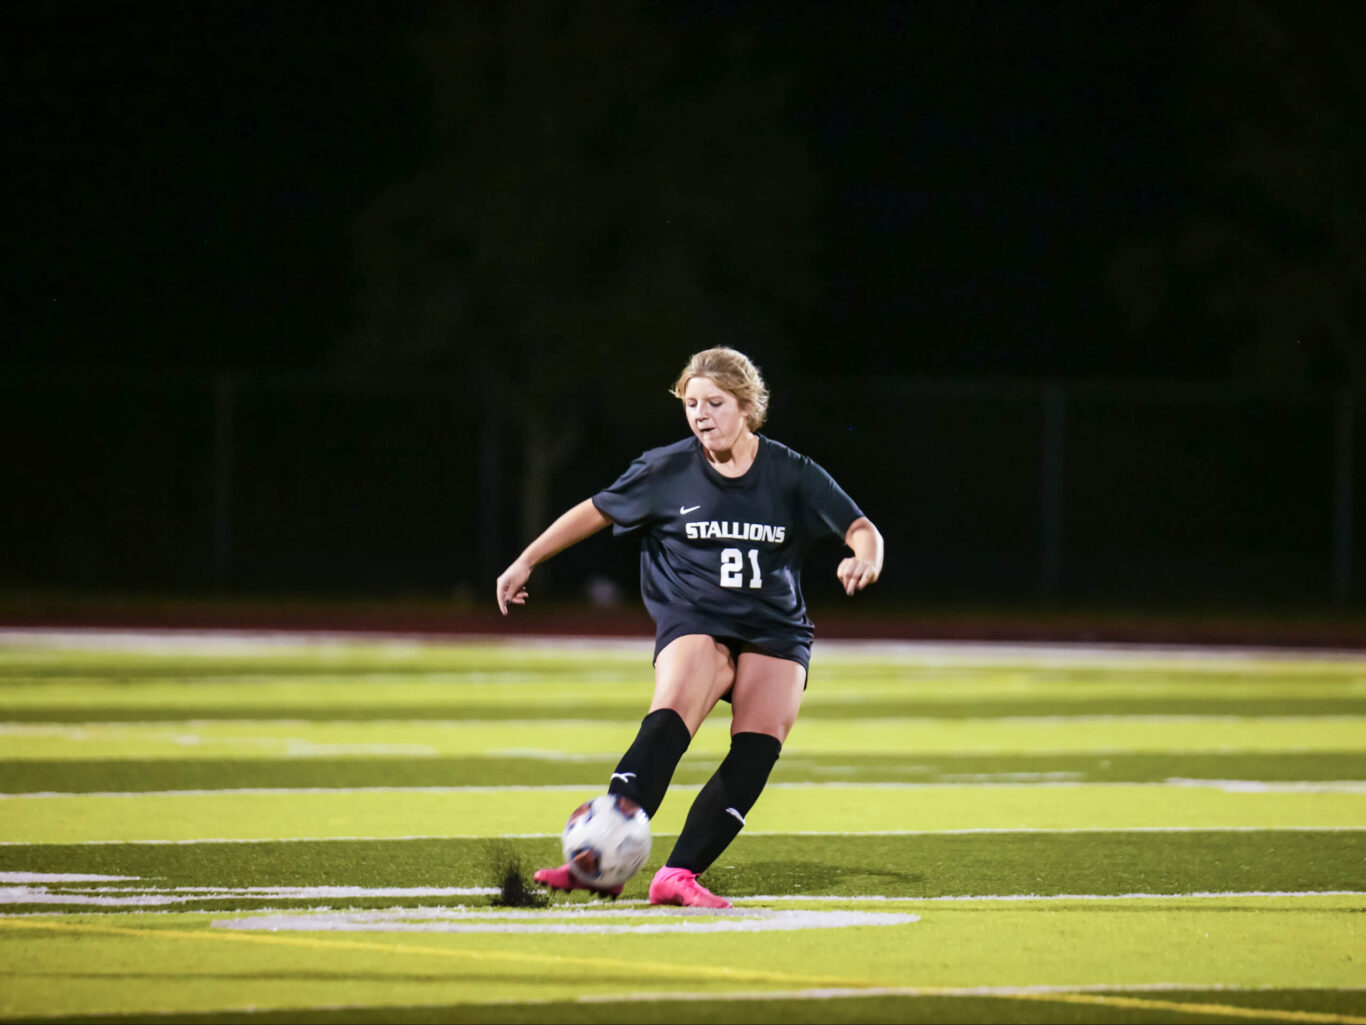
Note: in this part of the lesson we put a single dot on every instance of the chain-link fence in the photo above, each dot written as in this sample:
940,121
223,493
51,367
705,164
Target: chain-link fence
986,492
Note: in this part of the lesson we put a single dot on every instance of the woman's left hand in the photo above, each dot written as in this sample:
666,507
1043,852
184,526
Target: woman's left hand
855,574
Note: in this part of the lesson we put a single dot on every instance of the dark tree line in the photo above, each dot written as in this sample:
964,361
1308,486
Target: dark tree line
1267,261
598,202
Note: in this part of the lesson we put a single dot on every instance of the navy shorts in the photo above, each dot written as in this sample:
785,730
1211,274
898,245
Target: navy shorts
794,649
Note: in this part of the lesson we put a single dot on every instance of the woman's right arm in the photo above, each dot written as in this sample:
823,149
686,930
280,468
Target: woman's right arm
580,522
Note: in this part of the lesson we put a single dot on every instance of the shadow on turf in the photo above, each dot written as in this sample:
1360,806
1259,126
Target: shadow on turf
802,876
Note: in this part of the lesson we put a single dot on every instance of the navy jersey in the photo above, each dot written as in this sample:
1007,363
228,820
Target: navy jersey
723,555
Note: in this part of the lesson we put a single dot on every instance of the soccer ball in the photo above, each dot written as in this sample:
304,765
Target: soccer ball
606,840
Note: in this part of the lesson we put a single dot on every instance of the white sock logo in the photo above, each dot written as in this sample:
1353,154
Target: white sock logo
732,811
625,777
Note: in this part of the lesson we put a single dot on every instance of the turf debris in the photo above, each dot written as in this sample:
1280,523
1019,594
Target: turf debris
508,872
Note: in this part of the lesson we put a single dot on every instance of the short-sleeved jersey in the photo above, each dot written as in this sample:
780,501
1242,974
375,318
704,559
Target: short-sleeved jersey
724,555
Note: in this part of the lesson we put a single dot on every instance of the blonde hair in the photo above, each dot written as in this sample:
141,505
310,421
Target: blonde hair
733,372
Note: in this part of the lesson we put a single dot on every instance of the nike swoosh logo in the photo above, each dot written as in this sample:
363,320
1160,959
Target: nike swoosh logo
684,512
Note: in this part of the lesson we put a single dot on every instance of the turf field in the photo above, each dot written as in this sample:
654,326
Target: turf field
234,828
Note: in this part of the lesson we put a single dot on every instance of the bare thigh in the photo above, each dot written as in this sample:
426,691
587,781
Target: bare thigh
691,674
767,696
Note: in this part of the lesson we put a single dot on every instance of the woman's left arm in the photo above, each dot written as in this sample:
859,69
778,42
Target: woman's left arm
865,565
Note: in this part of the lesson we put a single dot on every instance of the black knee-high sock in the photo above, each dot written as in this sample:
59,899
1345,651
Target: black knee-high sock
719,811
644,772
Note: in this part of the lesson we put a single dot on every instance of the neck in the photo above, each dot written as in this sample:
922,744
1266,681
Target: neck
734,461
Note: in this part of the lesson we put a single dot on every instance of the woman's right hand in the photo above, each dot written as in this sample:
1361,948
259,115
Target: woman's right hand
511,588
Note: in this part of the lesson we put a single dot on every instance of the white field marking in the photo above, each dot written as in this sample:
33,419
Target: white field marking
42,895
306,839
315,892
551,788
1051,653
199,642
1008,777
752,832
335,892
1339,786
205,893
246,642
61,877
544,756
591,920
1042,829
880,898
836,993
296,748
81,730
1192,895
1232,785
143,912
210,641
166,906
1259,786
153,896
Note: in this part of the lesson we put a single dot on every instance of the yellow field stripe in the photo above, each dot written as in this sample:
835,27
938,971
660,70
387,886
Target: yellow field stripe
835,986
1228,1010
598,963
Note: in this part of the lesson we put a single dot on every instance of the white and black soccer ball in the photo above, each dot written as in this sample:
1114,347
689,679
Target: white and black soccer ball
606,840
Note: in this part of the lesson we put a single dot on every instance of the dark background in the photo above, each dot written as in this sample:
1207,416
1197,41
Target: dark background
351,298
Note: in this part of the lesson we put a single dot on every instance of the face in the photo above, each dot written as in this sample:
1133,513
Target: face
714,414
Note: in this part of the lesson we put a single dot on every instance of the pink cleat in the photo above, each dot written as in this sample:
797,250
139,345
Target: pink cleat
680,886
563,879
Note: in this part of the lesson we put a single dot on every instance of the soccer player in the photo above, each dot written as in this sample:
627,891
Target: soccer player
725,520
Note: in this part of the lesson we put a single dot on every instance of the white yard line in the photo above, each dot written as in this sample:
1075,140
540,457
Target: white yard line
602,921
226,640
830,993
139,896
161,896
957,898
59,877
251,791
757,832
1240,786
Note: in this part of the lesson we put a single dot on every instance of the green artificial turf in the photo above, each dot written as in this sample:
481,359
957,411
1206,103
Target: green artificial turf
268,742
182,963
133,774
840,808
569,739
895,866
628,707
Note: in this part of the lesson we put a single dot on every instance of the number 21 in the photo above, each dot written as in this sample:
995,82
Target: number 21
733,568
